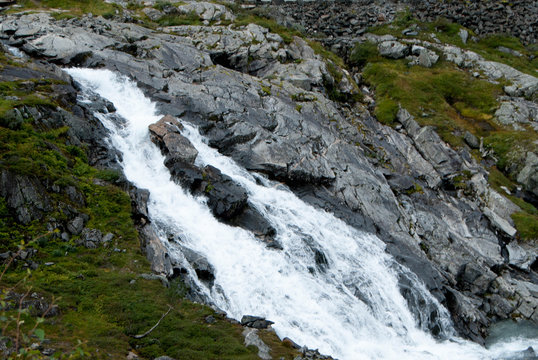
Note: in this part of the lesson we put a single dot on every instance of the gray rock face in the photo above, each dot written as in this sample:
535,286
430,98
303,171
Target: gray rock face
528,176
252,338
393,49
207,11
25,195
90,238
516,112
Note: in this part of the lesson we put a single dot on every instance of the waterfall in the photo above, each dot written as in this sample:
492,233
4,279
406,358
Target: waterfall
350,308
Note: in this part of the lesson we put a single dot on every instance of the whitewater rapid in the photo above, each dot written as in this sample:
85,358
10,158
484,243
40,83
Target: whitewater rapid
315,307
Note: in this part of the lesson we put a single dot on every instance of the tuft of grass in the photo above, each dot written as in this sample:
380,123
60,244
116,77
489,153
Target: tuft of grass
527,225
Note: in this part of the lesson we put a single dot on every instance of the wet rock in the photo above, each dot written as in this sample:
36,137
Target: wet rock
226,199
251,219
177,148
255,322
139,205
204,270
155,251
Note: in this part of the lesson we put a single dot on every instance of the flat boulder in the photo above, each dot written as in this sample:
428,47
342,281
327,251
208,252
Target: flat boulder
177,148
393,49
255,322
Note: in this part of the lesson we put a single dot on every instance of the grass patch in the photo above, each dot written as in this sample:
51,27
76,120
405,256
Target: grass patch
442,96
190,18
74,7
363,53
527,225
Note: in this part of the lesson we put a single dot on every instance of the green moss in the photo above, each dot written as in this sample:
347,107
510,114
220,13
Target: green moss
443,96
527,225
265,90
386,110
363,53
190,18
415,189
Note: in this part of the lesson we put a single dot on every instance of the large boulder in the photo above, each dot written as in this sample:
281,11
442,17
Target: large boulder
166,134
393,49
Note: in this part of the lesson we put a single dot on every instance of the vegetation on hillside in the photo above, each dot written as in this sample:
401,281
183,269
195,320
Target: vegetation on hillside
101,296
453,101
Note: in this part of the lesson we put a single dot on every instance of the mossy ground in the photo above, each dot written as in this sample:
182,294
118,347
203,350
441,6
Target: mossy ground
71,7
101,297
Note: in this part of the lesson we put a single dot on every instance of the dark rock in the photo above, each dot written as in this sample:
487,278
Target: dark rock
204,270
226,199
471,140
139,205
250,219
255,322
400,183
76,225
25,196
210,319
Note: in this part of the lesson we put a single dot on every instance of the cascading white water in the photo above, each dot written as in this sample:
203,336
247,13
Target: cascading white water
313,306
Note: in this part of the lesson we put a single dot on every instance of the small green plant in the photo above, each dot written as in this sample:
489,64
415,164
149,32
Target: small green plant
363,53
265,90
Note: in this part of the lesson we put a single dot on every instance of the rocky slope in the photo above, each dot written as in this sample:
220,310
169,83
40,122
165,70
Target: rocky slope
265,101
353,18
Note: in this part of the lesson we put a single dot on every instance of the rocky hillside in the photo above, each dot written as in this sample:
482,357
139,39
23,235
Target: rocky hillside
420,132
